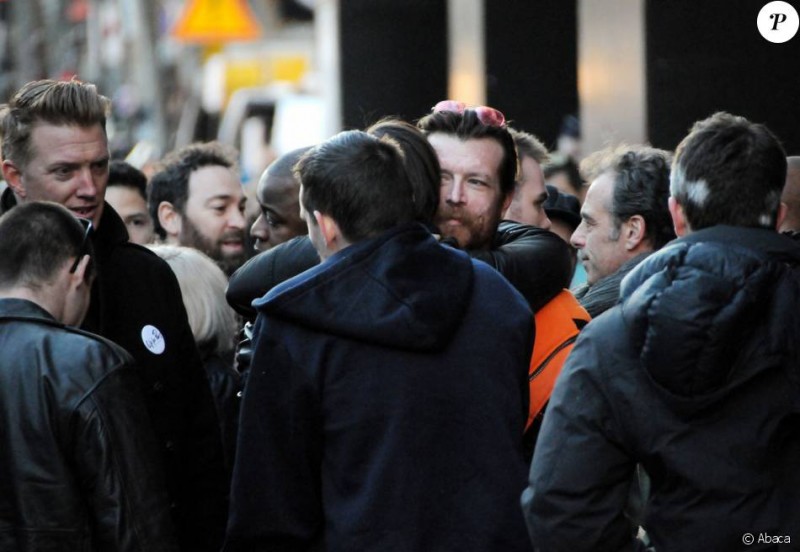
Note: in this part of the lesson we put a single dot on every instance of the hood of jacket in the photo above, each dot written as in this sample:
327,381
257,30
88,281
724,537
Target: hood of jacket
401,290
713,310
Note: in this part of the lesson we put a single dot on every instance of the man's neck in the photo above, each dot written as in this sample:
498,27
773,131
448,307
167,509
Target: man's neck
46,297
333,249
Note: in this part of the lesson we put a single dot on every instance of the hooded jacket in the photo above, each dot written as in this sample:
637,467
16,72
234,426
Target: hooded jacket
79,466
385,405
695,376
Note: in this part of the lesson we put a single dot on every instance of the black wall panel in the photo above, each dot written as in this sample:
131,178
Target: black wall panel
531,62
393,58
708,56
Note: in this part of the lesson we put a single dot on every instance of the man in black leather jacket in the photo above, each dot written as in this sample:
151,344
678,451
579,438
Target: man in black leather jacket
478,160
80,466
694,375
55,148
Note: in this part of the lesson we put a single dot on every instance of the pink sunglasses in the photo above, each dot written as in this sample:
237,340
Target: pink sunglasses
488,116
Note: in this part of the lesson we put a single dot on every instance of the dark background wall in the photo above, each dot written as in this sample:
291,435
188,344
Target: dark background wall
701,57
708,56
531,63
393,58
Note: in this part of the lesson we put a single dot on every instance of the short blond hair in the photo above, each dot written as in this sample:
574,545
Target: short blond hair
63,103
529,145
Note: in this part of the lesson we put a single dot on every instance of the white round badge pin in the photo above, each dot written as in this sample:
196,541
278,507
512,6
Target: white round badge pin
153,339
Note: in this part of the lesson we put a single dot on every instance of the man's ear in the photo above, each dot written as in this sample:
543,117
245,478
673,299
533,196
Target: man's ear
783,209
506,202
76,293
635,232
13,177
678,217
78,278
169,218
329,230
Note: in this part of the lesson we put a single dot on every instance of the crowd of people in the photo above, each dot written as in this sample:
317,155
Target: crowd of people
445,337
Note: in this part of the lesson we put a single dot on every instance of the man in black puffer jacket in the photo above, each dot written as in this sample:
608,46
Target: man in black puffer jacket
695,375
79,468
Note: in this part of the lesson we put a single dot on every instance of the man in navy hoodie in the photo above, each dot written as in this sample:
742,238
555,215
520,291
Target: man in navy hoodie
388,390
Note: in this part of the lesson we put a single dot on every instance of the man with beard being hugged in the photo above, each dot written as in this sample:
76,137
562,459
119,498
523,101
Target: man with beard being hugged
478,158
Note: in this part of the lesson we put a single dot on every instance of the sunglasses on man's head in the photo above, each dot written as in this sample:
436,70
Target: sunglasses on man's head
84,249
488,116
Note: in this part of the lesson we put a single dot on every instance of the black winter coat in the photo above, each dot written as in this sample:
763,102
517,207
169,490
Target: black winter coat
696,377
226,388
136,293
79,465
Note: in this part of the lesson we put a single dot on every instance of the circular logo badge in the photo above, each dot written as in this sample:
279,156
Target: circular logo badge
778,22
153,340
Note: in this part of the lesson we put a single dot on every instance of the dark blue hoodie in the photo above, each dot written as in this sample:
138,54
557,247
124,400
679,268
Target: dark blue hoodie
385,405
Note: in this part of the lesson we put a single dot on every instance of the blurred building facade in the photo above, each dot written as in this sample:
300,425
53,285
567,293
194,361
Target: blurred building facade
633,70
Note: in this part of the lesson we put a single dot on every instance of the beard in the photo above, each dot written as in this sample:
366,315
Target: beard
190,236
473,231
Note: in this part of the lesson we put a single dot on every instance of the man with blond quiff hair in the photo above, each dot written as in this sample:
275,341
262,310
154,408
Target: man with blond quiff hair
55,148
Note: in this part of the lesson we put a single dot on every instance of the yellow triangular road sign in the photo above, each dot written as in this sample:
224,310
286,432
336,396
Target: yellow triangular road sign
211,21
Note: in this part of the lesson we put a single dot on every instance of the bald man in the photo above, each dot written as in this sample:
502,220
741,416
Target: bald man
791,197
278,197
